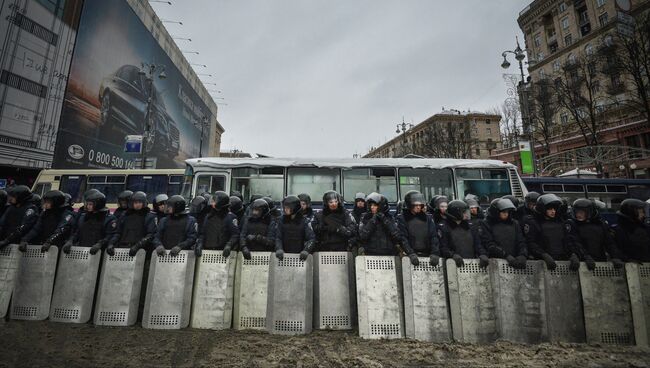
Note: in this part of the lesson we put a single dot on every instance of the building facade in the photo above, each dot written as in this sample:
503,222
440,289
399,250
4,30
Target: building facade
447,134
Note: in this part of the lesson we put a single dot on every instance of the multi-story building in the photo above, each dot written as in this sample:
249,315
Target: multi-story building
448,134
560,33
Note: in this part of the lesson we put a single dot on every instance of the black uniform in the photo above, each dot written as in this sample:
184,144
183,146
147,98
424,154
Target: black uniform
417,231
220,229
378,233
458,238
237,208
308,212
93,229
159,200
123,200
258,231
18,218
136,228
3,202
632,234
503,239
53,226
294,233
177,231
334,229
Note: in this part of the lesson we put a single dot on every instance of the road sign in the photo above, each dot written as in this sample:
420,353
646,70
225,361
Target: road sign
133,144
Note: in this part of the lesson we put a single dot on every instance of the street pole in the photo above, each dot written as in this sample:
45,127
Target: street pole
203,121
148,72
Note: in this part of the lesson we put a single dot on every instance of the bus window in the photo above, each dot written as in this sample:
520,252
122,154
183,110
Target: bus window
150,184
42,188
380,180
110,185
73,185
174,185
186,188
266,182
487,184
429,182
313,181
210,184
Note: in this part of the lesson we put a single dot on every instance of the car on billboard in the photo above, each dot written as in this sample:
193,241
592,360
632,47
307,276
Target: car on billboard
123,100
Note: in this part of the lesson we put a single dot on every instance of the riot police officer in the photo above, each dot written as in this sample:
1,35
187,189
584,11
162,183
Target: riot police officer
274,211
19,218
199,208
592,234
458,240
220,229
417,230
54,224
378,232
37,201
123,200
475,211
177,231
438,207
258,231
305,204
3,202
359,207
528,208
237,208
632,233
501,234
294,233
547,235
159,204
135,228
95,226
334,226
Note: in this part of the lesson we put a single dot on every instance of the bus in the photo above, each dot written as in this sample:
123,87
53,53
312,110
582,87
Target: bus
110,182
392,177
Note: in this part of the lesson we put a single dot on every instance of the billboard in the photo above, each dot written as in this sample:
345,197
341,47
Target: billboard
114,93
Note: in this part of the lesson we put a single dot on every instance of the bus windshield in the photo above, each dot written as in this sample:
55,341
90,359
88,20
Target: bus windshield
368,180
429,182
487,184
268,181
313,181
186,188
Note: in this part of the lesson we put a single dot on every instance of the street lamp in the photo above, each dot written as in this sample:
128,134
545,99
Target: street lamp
149,72
204,74
522,89
204,121
403,128
182,39
203,65
161,1
171,21
190,52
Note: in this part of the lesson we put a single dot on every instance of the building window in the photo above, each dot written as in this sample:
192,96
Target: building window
564,118
565,22
478,152
540,56
487,121
584,17
571,59
608,40
542,74
603,19
589,49
538,40
600,3
568,40
488,130
556,66
561,7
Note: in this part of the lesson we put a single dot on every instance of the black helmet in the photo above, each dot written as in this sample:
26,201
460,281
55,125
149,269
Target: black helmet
207,197
513,199
36,200
304,197
270,202
21,193
583,204
124,197
138,197
90,192
456,209
221,200
236,193
499,205
97,198
293,203
197,205
412,197
3,197
177,204
236,204
547,201
630,208
360,197
56,197
260,205
471,196
68,200
255,197
472,203
160,199
531,197
379,200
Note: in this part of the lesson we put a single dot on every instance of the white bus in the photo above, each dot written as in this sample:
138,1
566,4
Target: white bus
393,177
109,182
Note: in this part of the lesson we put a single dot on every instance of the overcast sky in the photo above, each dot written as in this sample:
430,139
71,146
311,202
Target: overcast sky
330,78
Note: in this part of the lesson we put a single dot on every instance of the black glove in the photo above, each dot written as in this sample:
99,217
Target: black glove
574,262
459,260
361,251
617,263
512,261
160,250
66,248
110,250
22,246
250,238
198,251
279,253
550,262
303,255
591,264
45,247
95,248
521,262
434,259
246,253
134,250
174,251
483,261
415,261
226,252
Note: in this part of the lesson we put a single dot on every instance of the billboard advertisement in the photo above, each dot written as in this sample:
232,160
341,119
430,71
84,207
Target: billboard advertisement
122,84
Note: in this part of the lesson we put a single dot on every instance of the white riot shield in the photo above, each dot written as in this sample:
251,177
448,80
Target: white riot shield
564,313
34,284
638,281
213,290
9,257
334,291
290,298
251,291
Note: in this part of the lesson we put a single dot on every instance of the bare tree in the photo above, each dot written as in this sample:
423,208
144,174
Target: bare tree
542,104
510,124
450,139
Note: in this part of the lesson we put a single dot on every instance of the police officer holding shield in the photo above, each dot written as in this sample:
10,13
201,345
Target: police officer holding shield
19,218
294,233
54,224
95,227
136,228
177,231
220,228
